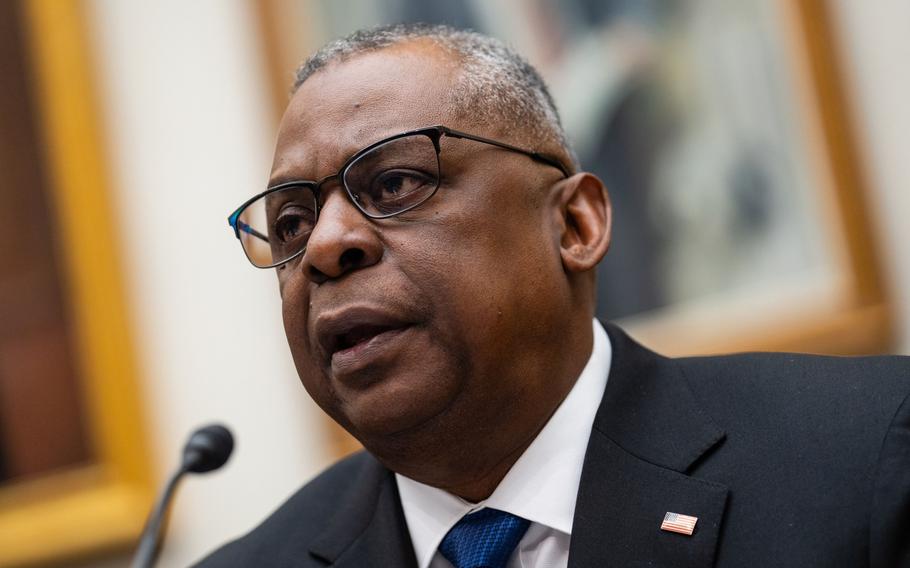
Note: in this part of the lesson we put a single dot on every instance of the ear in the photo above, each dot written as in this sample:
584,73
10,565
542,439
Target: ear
586,222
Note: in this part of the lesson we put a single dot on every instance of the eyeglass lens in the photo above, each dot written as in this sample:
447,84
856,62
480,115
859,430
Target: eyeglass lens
277,225
386,180
394,176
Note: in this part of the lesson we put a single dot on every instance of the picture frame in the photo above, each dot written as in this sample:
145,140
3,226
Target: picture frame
857,318
101,506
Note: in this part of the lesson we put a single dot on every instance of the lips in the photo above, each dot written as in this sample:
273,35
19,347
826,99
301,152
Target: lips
358,335
344,334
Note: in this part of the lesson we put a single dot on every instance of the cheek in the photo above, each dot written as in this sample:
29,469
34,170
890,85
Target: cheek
294,312
501,258
483,275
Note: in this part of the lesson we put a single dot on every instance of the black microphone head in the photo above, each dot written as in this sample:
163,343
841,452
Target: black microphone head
208,449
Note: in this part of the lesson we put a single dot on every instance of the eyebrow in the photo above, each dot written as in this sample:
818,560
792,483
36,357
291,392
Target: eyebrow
283,178
349,151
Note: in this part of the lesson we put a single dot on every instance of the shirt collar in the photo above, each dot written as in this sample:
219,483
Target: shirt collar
542,486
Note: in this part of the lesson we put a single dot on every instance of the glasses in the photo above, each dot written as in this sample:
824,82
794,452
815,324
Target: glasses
384,179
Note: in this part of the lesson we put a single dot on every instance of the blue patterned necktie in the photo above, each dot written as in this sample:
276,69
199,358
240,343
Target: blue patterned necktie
484,539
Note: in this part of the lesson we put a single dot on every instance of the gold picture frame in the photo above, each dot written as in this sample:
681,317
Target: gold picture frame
101,506
862,321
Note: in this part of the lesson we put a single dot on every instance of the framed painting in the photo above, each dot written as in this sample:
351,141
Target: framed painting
74,477
722,132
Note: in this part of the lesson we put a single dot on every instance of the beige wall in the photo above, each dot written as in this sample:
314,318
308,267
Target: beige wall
876,52
189,134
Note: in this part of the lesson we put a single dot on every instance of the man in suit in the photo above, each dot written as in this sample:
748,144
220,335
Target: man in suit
441,310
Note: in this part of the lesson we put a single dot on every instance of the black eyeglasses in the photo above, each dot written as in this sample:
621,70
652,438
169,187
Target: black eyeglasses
384,179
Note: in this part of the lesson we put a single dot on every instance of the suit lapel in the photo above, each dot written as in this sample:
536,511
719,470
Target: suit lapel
368,525
648,433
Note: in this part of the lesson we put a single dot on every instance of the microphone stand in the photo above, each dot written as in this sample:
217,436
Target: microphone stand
150,543
207,450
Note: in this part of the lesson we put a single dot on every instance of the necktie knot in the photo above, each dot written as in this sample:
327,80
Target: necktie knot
483,539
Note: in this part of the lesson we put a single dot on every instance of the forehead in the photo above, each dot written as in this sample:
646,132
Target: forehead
352,103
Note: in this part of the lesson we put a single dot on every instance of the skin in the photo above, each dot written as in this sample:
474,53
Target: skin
497,292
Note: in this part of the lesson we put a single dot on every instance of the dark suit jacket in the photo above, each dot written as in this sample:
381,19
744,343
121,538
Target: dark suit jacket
786,460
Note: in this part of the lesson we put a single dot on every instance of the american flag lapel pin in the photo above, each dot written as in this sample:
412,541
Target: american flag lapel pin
682,524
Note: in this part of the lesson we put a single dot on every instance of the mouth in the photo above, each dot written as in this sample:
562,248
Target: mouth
358,335
354,337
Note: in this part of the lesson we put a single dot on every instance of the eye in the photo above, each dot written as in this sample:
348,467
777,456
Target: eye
398,187
293,223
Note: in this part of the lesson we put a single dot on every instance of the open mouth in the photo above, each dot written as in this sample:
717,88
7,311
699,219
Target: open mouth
359,335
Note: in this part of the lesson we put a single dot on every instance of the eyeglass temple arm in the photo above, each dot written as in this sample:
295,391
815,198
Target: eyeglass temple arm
536,156
241,226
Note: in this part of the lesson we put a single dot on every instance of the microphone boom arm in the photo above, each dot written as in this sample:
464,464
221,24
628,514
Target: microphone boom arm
207,449
150,543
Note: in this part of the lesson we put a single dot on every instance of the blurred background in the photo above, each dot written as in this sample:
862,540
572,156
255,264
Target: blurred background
755,151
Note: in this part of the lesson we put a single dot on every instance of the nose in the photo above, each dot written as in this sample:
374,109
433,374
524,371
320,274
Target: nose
343,240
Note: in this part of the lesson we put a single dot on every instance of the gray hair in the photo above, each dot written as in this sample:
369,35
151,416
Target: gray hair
497,86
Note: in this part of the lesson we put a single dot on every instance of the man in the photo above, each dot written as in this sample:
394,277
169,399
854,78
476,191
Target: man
435,247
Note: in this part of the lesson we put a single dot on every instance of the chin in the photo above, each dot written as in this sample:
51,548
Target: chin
403,394
381,424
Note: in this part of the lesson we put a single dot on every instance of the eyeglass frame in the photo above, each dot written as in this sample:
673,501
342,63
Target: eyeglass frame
434,133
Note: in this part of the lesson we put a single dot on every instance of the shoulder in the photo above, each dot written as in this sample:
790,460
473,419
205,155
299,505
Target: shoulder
766,391
878,383
784,404
883,367
825,433
284,537
812,406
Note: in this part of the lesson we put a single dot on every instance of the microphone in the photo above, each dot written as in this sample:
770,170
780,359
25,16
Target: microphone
207,449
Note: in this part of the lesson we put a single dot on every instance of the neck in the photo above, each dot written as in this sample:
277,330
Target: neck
469,458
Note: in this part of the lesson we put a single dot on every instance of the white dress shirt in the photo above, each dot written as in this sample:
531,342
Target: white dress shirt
542,485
